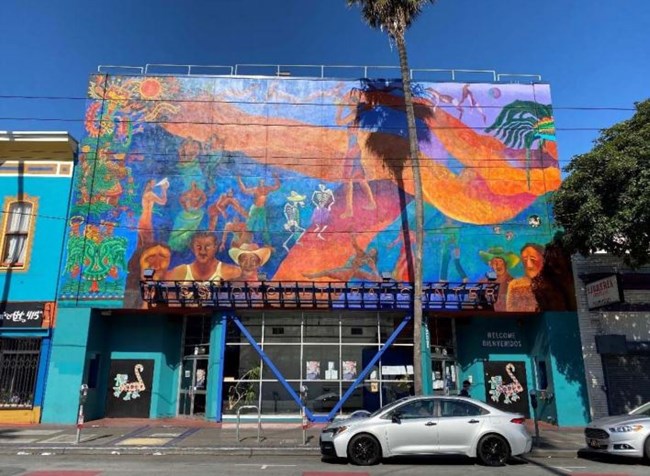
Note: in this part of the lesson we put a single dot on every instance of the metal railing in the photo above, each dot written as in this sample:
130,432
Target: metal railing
319,71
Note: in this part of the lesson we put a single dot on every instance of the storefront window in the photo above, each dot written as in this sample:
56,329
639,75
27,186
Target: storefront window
333,351
286,358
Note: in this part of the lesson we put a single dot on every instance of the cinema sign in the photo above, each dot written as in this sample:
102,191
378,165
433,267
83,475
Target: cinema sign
602,292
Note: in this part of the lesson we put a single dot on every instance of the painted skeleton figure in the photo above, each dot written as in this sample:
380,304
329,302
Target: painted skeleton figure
292,215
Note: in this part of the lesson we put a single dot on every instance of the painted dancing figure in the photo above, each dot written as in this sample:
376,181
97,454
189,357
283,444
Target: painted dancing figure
323,198
292,215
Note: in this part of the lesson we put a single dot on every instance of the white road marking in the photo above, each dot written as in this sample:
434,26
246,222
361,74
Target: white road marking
568,469
266,466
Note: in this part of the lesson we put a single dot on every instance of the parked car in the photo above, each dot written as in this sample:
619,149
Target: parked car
627,435
429,425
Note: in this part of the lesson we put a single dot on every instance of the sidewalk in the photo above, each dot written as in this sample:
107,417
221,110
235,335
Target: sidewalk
183,436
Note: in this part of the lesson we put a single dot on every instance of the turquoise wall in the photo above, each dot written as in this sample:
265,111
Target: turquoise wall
82,334
552,337
67,362
47,246
567,380
156,337
471,354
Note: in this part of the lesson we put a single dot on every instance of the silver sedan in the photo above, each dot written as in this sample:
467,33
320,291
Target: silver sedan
429,425
627,435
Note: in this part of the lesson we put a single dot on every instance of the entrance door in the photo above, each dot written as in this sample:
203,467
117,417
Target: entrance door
194,380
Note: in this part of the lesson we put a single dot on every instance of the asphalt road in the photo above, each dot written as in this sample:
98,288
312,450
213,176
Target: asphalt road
74,465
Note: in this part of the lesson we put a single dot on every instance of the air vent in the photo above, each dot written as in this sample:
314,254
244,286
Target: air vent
356,331
278,331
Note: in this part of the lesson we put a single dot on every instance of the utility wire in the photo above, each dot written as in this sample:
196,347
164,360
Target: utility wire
296,104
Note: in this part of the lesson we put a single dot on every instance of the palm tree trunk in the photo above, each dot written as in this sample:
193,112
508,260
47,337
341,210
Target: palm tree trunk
419,214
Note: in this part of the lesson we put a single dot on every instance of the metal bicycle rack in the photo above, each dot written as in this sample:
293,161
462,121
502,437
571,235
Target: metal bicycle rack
259,420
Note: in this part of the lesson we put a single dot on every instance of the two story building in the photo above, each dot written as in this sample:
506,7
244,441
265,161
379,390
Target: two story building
36,170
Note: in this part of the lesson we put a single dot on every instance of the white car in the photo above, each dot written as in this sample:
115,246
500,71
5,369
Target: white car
626,435
429,425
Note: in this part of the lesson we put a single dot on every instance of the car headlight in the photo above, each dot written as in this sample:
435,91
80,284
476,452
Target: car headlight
336,431
626,428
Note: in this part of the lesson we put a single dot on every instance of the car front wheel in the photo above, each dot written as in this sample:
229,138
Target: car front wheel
364,450
493,450
646,447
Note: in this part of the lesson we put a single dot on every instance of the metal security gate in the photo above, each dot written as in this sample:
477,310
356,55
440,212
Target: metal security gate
18,371
628,381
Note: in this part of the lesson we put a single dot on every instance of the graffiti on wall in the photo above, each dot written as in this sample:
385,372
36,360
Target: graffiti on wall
308,180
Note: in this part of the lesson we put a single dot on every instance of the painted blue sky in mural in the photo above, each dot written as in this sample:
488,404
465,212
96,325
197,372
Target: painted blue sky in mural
593,52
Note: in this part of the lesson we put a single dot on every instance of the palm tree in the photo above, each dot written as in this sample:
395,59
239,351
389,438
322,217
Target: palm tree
395,17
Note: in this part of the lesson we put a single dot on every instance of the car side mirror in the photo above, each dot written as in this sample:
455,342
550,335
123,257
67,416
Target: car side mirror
396,418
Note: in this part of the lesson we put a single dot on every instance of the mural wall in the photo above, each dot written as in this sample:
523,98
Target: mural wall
297,179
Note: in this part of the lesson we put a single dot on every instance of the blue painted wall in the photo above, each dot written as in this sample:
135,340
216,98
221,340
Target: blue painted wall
552,337
567,380
471,353
154,337
49,231
215,371
67,363
82,334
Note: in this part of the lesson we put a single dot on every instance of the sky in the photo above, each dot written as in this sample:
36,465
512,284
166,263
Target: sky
594,53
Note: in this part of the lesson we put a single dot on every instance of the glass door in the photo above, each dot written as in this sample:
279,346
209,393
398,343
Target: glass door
193,391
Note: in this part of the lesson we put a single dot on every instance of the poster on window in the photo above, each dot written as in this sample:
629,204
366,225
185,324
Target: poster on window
505,386
349,369
129,389
313,369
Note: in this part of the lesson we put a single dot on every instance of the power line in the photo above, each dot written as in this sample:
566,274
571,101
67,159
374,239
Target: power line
137,100
288,126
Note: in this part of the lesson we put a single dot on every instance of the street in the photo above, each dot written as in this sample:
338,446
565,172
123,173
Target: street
48,464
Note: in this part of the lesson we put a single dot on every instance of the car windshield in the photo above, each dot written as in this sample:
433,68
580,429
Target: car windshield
389,406
643,410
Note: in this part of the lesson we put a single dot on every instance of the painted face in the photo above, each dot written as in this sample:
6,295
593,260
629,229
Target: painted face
249,261
532,260
156,258
499,266
204,249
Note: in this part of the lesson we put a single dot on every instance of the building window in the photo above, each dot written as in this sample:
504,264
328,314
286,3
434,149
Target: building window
322,352
17,233
18,371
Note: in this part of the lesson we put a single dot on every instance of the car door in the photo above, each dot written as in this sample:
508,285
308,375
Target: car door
414,428
459,425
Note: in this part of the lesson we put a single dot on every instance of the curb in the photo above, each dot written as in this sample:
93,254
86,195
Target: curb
551,453
161,450
248,451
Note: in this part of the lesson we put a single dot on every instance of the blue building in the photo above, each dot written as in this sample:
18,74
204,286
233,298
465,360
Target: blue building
36,170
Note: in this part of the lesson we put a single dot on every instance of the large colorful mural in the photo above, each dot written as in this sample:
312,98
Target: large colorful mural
205,178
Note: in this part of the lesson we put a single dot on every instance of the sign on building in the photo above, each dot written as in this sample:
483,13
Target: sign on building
602,292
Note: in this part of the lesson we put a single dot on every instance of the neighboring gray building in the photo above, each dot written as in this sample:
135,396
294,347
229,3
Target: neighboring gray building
614,318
